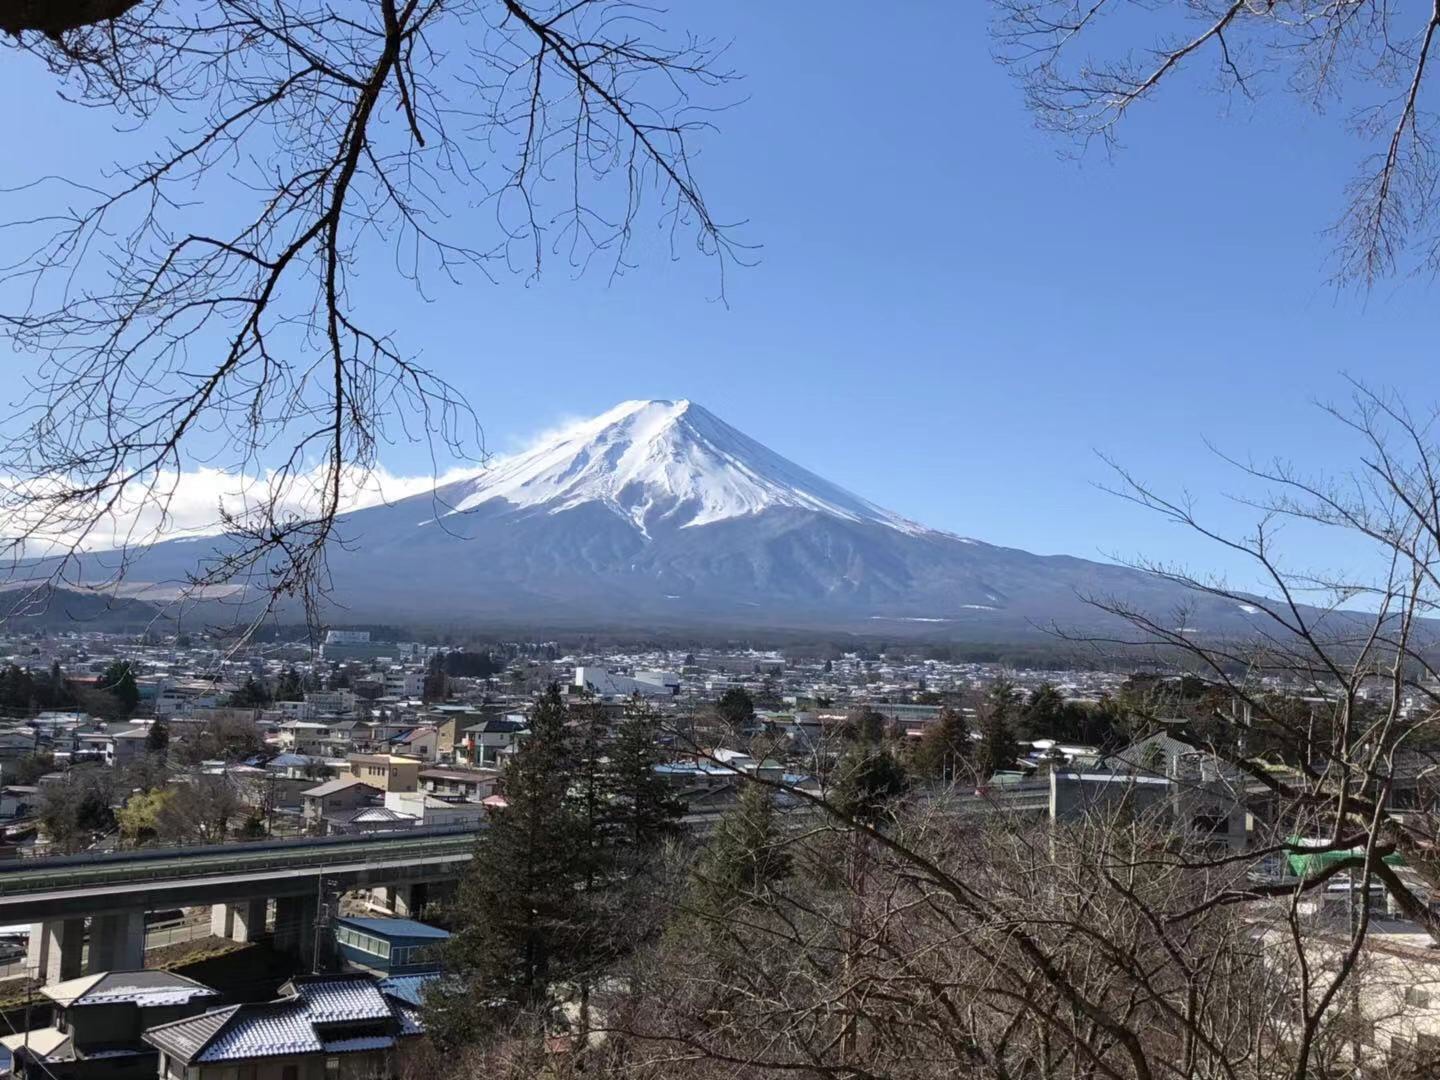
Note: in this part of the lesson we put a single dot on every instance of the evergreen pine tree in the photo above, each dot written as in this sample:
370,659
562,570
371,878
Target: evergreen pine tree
997,750
1044,715
119,681
519,932
289,687
251,695
644,811
869,779
745,858
157,739
736,709
436,684
944,746
867,725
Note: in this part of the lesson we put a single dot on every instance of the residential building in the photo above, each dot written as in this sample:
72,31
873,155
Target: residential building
17,741
181,697
400,683
431,812
453,782
388,772
1191,791
323,1027
487,742
126,746
97,1031
330,702
607,684
420,742
309,737
388,946
17,800
337,799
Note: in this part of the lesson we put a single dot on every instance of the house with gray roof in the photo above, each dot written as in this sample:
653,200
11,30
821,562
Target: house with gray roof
97,1030
322,1027
336,799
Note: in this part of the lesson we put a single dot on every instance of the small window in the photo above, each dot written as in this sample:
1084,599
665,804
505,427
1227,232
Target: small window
1417,997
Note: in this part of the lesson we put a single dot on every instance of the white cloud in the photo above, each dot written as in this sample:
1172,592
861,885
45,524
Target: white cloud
191,504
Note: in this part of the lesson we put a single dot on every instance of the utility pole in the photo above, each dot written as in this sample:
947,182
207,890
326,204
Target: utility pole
322,918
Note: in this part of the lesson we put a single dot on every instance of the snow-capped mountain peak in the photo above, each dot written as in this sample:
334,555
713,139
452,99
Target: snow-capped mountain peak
664,464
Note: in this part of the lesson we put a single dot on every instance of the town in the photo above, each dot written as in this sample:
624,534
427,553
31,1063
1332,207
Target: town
187,827
583,540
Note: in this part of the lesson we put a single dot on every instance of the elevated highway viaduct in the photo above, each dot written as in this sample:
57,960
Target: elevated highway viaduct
112,892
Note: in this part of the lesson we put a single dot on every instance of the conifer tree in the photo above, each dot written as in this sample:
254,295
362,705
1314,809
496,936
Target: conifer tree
944,747
869,779
118,680
644,811
745,858
290,687
519,931
997,750
1044,714
736,709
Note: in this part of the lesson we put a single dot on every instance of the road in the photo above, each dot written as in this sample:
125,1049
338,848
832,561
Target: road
160,865
157,936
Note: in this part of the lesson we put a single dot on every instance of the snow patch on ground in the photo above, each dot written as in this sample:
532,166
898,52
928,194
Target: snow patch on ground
910,618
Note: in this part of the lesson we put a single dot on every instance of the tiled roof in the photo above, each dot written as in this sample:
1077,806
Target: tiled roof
296,1024
337,1000
263,1031
380,813
186,1038
143,988
411,1022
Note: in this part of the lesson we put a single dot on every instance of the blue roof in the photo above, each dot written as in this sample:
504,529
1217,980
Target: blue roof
407,988
406,928
287,761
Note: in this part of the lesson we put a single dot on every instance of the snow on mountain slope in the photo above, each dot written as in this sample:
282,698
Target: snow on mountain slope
659,514
664,465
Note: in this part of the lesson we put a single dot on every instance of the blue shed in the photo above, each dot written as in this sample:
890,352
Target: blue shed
391,946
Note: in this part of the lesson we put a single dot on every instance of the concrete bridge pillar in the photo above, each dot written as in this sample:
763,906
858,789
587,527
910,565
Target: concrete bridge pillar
244,921
400,899
117,942
295,918
56,949
408,901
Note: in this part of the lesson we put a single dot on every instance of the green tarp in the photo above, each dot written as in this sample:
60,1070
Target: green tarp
1305,865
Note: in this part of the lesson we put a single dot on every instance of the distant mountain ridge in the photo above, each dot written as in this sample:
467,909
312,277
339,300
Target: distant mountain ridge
658,513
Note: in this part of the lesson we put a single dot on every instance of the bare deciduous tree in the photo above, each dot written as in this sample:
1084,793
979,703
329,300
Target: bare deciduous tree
1085,64
990,945
199,304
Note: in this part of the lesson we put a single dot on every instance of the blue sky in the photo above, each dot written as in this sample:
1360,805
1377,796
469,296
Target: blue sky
947,316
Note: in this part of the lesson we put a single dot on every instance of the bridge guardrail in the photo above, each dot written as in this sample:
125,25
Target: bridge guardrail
171,866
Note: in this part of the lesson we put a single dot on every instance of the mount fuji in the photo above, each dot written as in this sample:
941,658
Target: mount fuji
659,514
